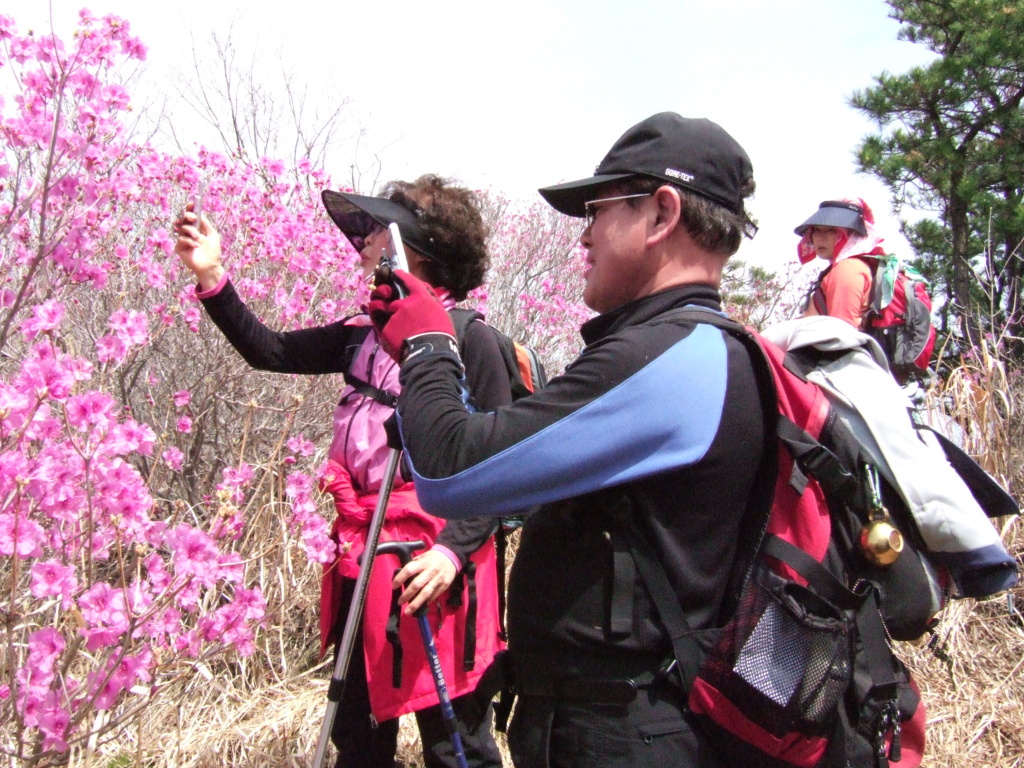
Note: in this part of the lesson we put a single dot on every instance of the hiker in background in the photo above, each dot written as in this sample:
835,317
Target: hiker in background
444,237
837,232
658,421
865,286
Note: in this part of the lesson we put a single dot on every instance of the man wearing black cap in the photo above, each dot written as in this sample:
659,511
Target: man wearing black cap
655,433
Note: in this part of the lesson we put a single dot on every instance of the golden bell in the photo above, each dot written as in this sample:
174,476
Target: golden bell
881,542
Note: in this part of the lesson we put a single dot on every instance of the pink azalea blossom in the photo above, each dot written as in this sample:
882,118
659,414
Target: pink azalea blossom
20,536
156,573
184,424
131,327
44,649
104,610
90,410
194,554
300,445
182,398
174,458
191,316
110,349
131,436
188,643
51,579
53,721
44,318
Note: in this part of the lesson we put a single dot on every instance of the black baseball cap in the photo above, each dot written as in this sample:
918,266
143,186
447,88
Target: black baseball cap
693,153
836,213
357,216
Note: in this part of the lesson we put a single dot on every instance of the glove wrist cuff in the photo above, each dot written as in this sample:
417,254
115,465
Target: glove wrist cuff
433,343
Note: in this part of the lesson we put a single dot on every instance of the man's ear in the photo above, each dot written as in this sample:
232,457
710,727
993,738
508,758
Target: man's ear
668,207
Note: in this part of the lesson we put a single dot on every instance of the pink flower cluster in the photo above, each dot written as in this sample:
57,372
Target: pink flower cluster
136,447
312,528
121,529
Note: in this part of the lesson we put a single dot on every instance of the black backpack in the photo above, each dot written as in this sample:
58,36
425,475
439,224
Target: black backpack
525,371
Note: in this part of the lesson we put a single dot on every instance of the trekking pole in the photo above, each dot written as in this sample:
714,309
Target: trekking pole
355,612
403,550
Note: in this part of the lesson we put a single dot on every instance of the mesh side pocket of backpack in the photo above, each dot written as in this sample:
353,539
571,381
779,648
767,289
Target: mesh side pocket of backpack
784,660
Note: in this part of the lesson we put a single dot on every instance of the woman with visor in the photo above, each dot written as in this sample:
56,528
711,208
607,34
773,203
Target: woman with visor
444,237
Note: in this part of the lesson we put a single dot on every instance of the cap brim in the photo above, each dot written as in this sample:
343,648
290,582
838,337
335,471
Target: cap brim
571,198
834,217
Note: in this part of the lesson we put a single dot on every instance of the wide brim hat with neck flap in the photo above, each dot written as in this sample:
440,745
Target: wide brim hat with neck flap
836,213
358,215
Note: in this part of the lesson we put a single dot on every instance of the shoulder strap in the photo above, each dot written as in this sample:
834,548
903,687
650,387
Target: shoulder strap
384,397
686,647
756,523
461,318
816,294
877,291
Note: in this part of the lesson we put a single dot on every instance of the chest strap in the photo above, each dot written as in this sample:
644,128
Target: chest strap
382,396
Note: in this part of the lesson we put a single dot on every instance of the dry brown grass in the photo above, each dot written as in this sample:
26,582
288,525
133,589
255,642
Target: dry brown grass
262,712
267,710
975,702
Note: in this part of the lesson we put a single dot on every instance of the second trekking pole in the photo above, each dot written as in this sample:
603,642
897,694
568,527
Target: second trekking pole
403,550
355,611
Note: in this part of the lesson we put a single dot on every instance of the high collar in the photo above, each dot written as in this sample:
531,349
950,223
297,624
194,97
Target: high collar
647,307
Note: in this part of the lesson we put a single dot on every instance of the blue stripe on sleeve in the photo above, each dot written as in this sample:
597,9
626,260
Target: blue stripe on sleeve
664,416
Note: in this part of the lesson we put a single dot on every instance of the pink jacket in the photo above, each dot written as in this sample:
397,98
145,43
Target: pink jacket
354,475
359,444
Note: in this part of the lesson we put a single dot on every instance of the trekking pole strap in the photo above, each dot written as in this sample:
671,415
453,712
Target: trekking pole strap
500,547
469,643
392,635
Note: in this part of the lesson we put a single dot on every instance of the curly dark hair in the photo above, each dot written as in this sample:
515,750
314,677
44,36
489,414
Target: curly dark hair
450,217
712,226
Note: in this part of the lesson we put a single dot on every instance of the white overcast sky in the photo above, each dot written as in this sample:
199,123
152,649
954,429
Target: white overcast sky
513,96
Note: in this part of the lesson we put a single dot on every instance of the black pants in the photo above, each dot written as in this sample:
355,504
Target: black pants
362,743
654,730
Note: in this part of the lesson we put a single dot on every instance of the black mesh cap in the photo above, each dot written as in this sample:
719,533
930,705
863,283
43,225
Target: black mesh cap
356,216
693,153
836,213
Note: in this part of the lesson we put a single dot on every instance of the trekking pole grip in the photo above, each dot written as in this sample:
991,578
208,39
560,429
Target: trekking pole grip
403,550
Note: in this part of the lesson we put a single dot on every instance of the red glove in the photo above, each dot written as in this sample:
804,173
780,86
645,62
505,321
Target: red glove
397,320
